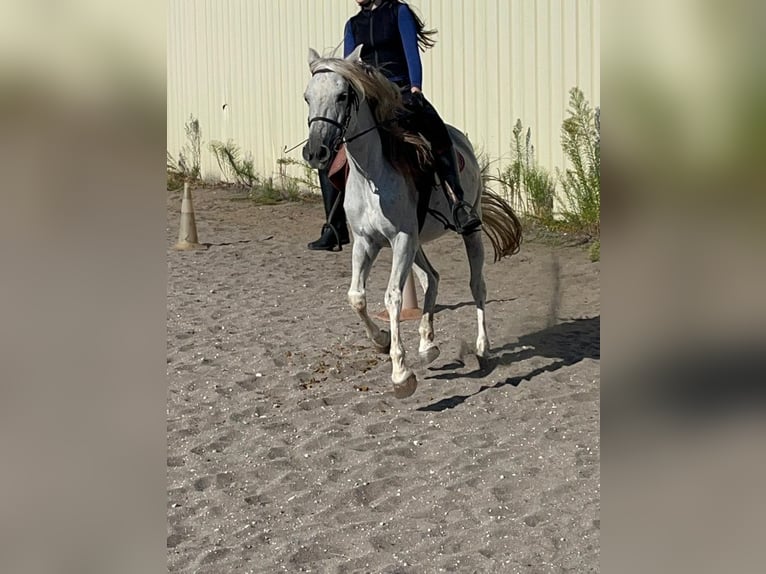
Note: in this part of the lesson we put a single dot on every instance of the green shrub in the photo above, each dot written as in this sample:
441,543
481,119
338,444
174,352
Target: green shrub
309,178
266,192
240,171
187,167
234,168
581,142
529,187
541,188
595,251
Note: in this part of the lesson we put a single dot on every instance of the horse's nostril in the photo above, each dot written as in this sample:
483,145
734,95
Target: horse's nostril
307,155
324,153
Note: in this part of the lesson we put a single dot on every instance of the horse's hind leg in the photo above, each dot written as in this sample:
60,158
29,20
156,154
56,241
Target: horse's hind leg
475,250
403,247
362,258
429,279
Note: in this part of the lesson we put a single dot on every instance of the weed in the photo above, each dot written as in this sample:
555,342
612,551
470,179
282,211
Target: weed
308,179
187,167
265,192
595,251
581,142
235,168
541,188
529,187
241,172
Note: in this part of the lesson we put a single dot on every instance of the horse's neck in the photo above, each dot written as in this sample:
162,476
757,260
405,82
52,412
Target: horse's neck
366,151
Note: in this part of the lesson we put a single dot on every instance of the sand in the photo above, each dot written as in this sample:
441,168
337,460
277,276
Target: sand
287,451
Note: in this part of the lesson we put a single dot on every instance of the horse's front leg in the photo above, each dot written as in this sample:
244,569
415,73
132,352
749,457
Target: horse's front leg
404,247
362,258
429,279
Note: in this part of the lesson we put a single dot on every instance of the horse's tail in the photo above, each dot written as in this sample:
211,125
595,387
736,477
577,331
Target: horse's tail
500,224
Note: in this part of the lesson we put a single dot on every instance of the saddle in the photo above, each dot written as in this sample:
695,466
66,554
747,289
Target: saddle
338,175
338,170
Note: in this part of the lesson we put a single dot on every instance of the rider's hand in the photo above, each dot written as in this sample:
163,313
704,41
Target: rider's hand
413,100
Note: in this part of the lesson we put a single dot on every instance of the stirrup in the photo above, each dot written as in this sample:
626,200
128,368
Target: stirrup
465,219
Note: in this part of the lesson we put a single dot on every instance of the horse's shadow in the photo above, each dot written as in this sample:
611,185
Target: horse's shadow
438,307
568,343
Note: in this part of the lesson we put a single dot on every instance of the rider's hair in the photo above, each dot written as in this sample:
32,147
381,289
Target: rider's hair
426,38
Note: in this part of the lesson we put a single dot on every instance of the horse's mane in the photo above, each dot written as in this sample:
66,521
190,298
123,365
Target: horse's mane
407,151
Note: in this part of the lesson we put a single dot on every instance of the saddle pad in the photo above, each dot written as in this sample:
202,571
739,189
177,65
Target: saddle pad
338,171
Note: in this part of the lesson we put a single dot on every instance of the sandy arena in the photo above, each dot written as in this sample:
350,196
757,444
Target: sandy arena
287,451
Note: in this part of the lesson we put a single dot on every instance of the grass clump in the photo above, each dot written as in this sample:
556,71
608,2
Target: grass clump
239,170
581,142
266,192
594,252
308,178
235,168
529,187
185,168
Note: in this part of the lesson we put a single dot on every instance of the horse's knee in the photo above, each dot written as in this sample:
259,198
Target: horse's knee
357,300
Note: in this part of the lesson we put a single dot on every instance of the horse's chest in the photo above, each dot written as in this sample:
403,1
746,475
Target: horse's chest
362,211
375,213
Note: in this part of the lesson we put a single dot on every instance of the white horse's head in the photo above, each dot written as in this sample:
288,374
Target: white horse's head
330,98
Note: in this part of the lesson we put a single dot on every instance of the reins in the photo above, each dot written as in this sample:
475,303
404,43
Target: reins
351,104
343,140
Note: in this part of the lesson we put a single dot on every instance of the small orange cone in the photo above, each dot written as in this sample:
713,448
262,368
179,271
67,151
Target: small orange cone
187,232
410,310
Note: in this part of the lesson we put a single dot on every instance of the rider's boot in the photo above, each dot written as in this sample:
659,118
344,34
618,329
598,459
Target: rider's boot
331,239
465,218
335,231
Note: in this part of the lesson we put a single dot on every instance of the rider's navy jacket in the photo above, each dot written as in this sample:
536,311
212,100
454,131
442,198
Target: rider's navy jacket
390,40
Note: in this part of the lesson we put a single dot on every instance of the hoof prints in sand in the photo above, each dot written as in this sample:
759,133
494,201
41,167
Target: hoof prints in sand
287,451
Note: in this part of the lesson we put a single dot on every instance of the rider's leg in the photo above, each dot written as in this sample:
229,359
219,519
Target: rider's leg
335,231
465,218
427,121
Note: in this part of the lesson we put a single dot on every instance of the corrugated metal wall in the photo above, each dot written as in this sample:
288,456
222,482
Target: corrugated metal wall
239,66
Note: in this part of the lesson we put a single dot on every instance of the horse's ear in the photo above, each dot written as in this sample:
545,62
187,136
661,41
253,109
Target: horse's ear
313,55
356,55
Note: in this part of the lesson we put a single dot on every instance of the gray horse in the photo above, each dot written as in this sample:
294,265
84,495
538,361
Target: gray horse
353,104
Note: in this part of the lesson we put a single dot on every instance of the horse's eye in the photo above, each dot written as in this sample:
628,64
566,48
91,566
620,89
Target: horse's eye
342,97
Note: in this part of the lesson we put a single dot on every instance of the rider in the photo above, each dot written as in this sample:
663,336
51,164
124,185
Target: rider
391,34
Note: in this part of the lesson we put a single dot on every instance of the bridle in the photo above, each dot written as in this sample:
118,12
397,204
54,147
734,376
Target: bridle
352,99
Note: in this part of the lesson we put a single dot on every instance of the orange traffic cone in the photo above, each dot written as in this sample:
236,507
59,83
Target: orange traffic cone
187,232
410,309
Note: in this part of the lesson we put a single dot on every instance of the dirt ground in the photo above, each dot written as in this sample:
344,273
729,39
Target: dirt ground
287,451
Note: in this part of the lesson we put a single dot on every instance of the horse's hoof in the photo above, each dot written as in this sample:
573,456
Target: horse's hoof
383,347
429,355
405,389
485,364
